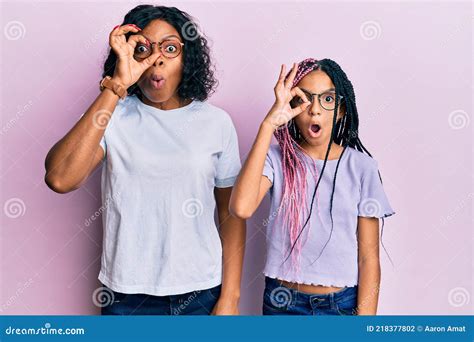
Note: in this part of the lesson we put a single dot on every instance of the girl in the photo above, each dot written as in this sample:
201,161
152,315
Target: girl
162,252
326,197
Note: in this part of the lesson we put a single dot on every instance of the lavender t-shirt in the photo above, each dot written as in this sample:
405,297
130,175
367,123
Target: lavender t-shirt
358,192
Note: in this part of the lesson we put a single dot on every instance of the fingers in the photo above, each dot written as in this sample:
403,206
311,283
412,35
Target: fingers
282,74
302,107
117,40
291,77
134,39
153,57
118,32
121,30
297,91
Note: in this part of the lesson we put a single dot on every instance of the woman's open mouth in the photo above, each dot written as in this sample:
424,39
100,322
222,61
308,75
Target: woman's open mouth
157,82
314,131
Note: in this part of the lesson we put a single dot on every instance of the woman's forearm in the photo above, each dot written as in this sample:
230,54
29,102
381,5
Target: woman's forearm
232,232
71,159
369,286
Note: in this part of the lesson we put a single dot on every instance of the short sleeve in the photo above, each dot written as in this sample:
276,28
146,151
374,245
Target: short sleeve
268,170
228,164
373,200
102,142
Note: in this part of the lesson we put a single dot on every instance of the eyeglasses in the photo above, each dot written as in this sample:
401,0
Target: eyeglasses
170,48
327,100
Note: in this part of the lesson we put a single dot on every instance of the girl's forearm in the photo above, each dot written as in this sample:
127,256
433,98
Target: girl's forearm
369,286
244,199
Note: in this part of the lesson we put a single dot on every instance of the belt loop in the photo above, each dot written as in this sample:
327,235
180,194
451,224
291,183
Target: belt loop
332,301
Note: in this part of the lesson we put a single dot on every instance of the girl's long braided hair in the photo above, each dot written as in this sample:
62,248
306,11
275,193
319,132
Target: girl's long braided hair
344,132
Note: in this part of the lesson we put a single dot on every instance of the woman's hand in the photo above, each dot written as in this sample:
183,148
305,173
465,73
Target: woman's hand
127,69
226,306
281,112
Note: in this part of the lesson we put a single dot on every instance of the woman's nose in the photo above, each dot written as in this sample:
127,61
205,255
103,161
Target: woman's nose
159,62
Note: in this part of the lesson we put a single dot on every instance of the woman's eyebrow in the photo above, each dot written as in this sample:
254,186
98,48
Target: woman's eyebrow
163,38
169,36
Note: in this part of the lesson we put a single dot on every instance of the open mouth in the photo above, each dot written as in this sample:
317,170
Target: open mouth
157,81
314,130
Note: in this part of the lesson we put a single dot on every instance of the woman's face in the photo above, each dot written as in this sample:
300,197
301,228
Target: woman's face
169,70
315,122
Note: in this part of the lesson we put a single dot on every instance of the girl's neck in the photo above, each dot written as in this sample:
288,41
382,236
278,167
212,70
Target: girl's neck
319,151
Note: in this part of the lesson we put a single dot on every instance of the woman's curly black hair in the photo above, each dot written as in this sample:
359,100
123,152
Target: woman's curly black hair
198,81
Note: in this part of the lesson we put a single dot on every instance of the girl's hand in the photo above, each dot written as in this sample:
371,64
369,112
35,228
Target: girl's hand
281,112
127,69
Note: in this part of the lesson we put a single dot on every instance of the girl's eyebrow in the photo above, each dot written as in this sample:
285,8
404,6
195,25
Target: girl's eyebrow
325,91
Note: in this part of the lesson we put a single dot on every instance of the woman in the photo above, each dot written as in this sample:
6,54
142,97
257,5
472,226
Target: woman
169,158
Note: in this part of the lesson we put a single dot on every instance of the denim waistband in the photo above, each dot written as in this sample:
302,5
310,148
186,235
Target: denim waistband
343,294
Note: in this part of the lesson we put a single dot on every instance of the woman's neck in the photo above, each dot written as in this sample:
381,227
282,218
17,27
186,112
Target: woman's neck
172,103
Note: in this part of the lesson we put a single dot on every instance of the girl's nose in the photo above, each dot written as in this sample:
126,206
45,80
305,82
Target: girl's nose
314,108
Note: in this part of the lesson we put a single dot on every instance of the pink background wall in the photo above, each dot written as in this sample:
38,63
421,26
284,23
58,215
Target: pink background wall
410,64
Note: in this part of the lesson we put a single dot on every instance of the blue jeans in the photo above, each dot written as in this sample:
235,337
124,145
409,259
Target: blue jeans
281,300
199,302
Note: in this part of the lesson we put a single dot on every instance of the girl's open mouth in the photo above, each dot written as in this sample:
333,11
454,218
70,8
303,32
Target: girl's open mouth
314,130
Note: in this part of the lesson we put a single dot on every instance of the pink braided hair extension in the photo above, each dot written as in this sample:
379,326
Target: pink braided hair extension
294,174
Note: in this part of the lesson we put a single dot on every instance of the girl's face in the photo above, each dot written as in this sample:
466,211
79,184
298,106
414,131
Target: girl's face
159,83
315,122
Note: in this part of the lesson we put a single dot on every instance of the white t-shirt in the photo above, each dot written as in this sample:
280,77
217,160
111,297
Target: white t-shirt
158,179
